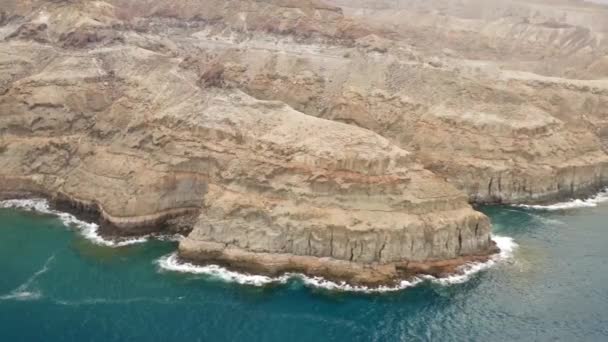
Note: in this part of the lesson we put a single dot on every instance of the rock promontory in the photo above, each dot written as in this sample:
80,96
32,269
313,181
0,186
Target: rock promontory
330,138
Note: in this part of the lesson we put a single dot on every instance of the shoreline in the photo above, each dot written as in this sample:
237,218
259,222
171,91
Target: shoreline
275,266
545,199
214,272
173,263
327,270
369,275
215,258
110,227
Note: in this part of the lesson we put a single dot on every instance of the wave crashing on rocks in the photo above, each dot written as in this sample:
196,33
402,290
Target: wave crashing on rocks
172,263
90,231
600,197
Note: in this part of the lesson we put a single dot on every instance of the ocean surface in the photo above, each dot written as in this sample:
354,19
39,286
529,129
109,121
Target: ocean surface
60,281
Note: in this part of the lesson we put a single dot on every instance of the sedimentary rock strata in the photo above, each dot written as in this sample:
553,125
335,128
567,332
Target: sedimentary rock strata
329,138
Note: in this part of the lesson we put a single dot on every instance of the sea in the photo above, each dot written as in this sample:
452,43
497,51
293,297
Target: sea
61,281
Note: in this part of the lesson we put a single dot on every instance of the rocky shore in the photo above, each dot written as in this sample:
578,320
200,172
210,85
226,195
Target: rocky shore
368,275
301,136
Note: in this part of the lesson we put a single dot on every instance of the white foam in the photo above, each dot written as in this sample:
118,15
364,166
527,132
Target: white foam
322,283
22,295
507,247
171,262
602,196
89,230
23,292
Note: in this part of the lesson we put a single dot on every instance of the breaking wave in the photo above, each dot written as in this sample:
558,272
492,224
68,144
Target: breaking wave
602,196
507,247
172,263
90,231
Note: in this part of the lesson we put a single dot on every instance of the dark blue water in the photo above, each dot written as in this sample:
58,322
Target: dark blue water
57,286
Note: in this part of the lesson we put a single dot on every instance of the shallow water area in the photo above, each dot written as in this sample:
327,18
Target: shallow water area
64,284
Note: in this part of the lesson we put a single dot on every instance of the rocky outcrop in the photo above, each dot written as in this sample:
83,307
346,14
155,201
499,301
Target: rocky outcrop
492,127
293,135
135,136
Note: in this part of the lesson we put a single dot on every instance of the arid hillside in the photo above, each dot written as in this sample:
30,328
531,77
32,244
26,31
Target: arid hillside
339,138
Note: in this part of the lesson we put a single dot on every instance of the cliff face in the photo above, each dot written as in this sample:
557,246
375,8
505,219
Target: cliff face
504,99
143,136
294,135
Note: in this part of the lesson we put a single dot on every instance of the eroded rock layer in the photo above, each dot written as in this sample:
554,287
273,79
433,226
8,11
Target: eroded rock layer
137,136
331,138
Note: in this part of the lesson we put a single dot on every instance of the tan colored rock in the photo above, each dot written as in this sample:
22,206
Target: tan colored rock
128,132
503,122
338,138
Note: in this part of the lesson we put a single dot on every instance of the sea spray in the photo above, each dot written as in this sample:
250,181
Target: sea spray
507,247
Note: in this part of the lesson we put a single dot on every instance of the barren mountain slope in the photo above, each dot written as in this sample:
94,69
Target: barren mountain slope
507,112
334,138
111,116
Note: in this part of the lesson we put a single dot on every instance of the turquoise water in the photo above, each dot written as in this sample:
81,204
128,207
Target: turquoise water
55,285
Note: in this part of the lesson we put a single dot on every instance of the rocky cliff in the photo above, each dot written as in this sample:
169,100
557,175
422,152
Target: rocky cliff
323,137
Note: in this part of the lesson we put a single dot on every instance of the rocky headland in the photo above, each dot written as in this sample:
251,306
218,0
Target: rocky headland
345,139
